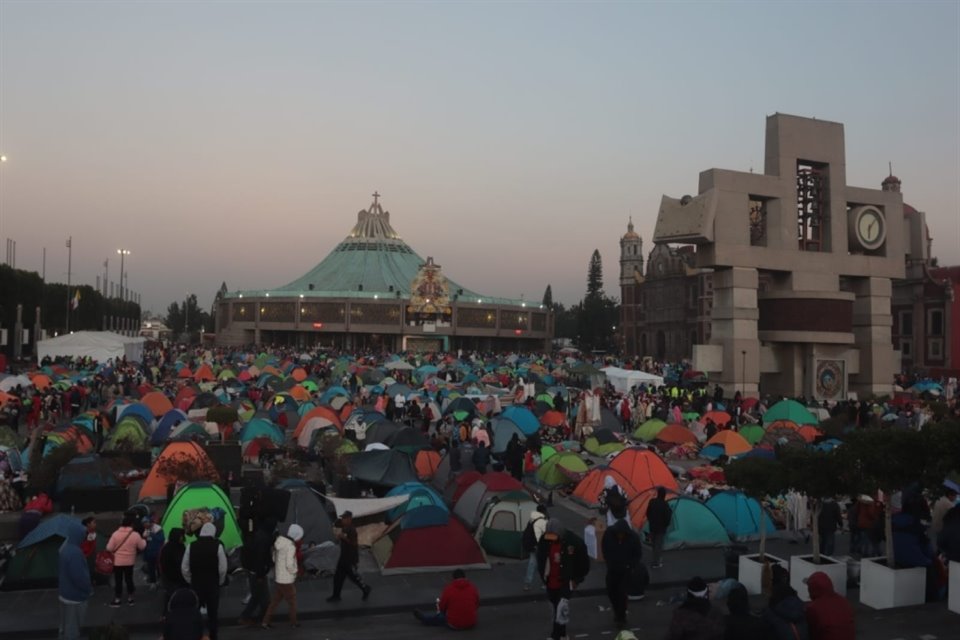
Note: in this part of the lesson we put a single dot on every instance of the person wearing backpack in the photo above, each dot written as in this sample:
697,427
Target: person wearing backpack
613,502
534,530
563,564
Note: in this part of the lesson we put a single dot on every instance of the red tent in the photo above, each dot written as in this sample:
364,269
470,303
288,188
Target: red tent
426,549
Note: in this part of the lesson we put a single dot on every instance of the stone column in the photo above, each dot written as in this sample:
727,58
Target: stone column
872,327
734,322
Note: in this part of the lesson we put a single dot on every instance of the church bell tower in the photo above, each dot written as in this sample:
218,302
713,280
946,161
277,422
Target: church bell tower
631,256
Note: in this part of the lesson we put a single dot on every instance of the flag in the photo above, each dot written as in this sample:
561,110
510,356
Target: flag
75,302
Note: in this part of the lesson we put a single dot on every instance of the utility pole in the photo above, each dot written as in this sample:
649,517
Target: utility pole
69,268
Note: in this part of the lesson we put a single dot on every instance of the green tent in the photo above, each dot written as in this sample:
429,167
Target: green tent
546,452
206,496
790,410
648,430
503,522
131,430
752,433
546,398
563,468
9,438
593,446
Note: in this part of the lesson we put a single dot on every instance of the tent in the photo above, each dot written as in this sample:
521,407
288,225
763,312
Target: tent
85,472
204,496
183,454
503,432
425,549
563,468
732,442
306,508
501,527
752,433
643,469
97,345
130,433
166,424
420,495
523,418
790,410
623,379
599,444
649,429
261,427
740,515
35,563
426,463
692,524
589,489
158,403
385,468
470,505
676,434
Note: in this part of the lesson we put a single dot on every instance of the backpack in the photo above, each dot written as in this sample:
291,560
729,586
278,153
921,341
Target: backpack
529,538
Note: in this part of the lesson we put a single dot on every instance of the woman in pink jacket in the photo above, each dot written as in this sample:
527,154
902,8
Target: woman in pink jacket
124,544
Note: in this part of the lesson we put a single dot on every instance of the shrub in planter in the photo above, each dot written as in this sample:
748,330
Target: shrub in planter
758,478
818,475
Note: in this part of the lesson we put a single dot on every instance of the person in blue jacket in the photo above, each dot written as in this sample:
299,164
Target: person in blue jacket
73,585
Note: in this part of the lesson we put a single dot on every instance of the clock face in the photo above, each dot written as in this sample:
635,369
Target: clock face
870,228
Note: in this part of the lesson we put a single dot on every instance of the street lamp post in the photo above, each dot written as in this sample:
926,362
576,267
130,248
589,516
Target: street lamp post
123,253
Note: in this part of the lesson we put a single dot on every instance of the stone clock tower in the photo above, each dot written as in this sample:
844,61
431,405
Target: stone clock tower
631,256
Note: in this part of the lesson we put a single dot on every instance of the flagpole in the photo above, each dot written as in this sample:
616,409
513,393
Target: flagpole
69,267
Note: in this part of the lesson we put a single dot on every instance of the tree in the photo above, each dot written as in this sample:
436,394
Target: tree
187,318
818,475
597,314
548,298
886,460
758,478
595,277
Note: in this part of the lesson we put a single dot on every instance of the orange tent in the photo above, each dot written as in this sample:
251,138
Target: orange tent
41,381
272,370
325,413
185,373
299,393
719,418
4,398
158,403
427,463
298,374
589,489
809,433
204,374
733,443
180,453
676,434
643,469
782,424
552,419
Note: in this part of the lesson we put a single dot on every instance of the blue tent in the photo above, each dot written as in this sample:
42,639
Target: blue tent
760,452
85,472
425,516
523,418
712,451
692,525
35,563
259,427
503,431
740,515
332,392
169,420
420,496
138,409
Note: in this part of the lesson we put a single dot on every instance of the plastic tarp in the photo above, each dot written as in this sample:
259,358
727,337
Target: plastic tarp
623,379
97,345
361,507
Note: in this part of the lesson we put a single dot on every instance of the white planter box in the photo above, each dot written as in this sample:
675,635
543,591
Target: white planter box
802,567
750,573
953,602
884,588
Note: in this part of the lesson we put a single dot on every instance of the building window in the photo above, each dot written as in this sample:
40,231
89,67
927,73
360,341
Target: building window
244,312
935,322
906,348
758,221
906,323
935,348
811,205
476,318
539,321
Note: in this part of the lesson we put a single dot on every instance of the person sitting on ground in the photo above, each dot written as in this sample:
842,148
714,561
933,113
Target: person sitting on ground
457,607
695,619
741,624
829,614
785,610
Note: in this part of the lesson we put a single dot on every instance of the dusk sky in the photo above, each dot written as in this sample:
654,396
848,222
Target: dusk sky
237,141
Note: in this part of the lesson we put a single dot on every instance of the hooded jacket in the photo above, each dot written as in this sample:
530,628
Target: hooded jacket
285,557
621,547
539,524
73,582
124,545
574,561
911,546
741,624
183,620
829,615
695,619
459,602
171,557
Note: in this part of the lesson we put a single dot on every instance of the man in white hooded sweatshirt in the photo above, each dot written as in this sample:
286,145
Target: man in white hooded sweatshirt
204,567
285,574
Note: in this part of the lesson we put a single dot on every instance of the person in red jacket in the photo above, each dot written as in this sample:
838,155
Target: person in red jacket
829,615
457,606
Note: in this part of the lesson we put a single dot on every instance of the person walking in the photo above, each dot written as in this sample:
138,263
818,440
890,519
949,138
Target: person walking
457,606
124,544
257,560
535,529
171,558
204,567
74,587
563,564
348,560
284,557
829,521
622,552
659,515
481,457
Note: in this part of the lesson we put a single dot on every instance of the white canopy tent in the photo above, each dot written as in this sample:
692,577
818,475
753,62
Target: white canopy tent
623,379
98,345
